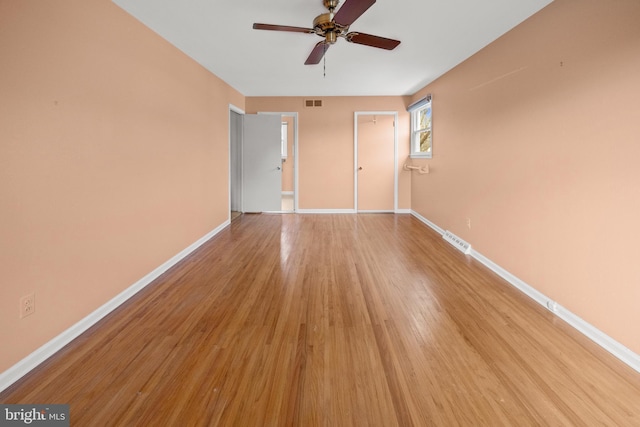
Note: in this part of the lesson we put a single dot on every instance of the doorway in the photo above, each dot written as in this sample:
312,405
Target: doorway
235,162
289,157
288,160
376,165
287,163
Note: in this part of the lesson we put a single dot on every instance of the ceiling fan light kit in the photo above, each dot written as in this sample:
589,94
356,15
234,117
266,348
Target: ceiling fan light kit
332,25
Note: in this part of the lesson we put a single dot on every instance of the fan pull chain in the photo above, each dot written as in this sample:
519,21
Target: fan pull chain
324,62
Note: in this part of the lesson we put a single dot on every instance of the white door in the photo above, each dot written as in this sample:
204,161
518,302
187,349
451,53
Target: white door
262,163
235,161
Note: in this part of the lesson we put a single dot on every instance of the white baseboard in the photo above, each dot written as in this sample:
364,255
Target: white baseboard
594,334
349,211
429,223
530,291
326,211
23,367
287,193
603,340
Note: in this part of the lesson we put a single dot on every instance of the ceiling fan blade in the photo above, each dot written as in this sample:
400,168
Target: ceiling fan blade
373,41
352,10
282,28
317,53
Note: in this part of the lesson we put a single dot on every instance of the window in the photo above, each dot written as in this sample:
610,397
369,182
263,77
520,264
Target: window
421,135
283,139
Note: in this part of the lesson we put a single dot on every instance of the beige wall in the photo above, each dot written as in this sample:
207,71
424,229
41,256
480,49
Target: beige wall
113,159
537,141
325,134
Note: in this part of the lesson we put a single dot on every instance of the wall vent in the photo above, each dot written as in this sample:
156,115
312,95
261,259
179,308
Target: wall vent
313,102
457,242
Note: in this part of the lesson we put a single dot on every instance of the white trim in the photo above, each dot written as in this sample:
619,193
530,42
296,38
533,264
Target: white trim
288,193
421,155
413,112
603,340
594,334
241,112
531,292
395,155
429,223
236,109
403,211
376,211
277,212
326,211
396,178
419,103
23,367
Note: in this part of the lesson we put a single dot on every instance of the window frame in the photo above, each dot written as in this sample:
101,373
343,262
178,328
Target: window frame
415,109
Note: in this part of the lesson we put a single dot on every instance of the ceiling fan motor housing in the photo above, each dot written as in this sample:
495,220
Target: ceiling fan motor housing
325,26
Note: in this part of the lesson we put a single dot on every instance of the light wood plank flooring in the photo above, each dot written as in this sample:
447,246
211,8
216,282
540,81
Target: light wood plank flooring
333,320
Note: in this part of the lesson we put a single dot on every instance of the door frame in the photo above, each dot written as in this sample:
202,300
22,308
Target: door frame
395,155
234,109
293,115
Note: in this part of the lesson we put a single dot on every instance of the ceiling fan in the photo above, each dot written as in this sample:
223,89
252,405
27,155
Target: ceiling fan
332,25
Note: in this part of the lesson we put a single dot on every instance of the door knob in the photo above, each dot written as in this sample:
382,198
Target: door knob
278,168
360,168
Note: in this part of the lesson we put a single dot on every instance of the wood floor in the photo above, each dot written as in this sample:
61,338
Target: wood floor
333,320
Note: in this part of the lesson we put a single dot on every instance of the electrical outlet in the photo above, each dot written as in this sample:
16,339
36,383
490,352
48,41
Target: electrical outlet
469,223
27,305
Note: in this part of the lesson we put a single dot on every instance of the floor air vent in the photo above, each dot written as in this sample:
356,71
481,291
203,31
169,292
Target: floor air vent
457,242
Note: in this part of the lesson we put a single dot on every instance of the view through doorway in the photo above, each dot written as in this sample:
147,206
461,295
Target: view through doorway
288,163
289,152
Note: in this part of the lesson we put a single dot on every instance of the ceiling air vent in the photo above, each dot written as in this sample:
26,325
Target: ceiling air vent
313,102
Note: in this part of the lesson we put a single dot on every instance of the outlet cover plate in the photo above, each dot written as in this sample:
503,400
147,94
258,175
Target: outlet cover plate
27,305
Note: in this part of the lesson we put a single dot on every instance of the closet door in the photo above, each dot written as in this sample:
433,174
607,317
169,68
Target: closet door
375,163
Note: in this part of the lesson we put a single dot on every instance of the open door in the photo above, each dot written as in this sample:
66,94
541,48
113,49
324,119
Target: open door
262,163
235,163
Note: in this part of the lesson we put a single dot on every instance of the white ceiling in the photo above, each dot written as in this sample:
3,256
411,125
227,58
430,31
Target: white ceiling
436,35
